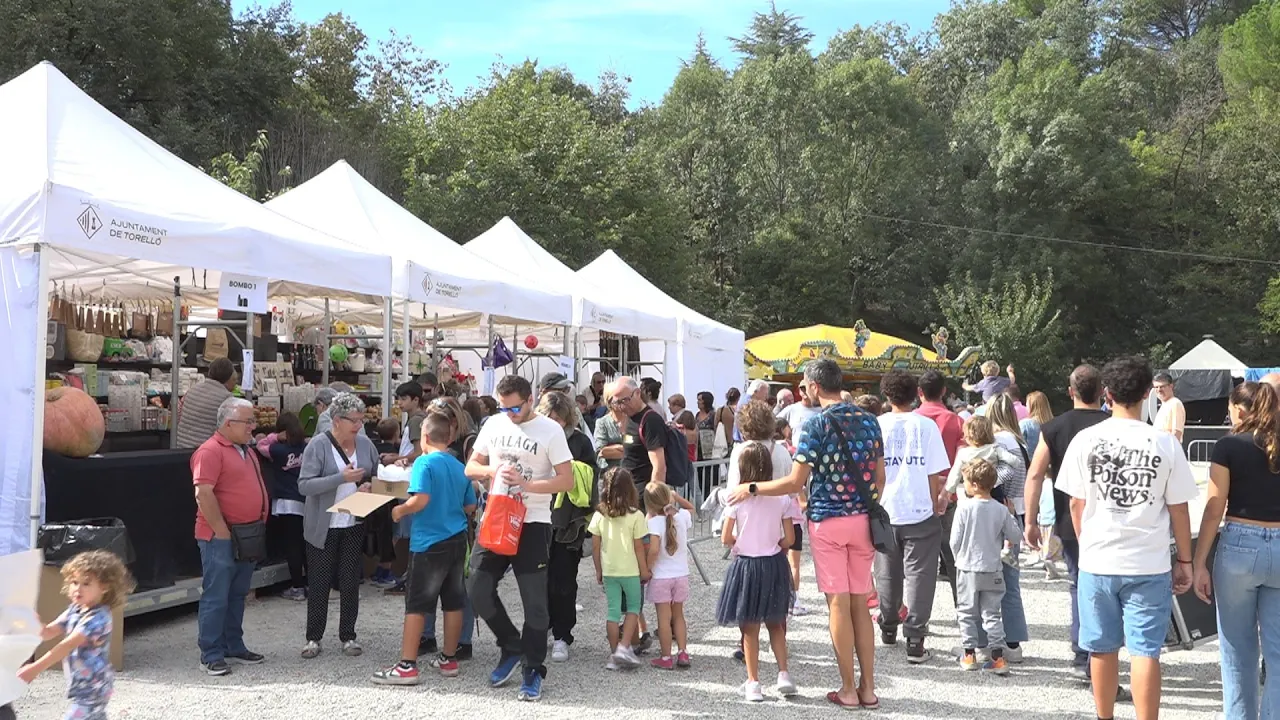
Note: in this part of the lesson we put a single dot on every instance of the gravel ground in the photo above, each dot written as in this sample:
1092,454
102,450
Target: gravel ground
162,678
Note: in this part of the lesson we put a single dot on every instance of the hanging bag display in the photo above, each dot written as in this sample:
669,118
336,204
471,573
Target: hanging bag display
502,524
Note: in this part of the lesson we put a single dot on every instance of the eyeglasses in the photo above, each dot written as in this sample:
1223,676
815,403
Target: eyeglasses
622,400
353,420
246,423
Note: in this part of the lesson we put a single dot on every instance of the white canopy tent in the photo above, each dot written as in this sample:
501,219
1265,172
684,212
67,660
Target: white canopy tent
596,309
447,286
427,266
1209,355
1204,373
90,202
708,355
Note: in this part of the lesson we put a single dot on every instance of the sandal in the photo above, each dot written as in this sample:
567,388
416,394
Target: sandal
833,697
873,705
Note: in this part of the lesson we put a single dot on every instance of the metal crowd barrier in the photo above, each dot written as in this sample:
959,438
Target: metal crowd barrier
1200,450
707,478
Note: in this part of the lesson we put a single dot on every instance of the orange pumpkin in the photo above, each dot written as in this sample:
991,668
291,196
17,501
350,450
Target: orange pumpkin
73,424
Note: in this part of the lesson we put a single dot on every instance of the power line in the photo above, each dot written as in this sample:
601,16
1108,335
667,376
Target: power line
1086,243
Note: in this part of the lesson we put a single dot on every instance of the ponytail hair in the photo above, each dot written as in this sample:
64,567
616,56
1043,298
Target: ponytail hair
659,500
1258,405
755,463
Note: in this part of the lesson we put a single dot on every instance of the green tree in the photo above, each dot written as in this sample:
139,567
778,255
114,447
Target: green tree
1016,322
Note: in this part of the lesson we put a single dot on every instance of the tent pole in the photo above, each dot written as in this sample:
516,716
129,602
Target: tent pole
568,352
37,395
324,362
175,364
404,357
388,342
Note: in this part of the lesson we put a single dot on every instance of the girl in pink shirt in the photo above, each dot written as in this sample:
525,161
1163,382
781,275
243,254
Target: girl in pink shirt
757,586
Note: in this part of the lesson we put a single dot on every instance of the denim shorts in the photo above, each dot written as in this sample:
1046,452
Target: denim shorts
1125,610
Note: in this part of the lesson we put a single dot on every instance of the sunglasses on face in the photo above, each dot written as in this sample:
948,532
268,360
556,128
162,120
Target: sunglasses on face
512,410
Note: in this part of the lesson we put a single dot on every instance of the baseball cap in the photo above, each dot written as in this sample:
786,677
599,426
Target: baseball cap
554,381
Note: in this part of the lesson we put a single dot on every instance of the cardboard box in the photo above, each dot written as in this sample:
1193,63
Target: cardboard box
393,488
360,504
51,604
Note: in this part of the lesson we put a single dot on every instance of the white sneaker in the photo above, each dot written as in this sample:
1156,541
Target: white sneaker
1013,655
751,691
351,648
625,657
311,650
560,651
610,664
785,687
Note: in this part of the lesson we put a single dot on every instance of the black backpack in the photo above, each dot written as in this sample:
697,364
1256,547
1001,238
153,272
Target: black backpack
676,452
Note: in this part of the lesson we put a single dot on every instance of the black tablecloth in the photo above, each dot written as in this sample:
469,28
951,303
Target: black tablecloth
150,491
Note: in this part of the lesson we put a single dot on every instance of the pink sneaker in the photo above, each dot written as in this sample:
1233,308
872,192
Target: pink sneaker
683,660
663,663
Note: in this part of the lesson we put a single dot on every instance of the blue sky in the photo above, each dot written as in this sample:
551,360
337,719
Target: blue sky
641,39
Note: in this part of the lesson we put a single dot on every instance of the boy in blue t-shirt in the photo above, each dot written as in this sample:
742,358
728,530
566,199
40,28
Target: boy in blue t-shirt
440,499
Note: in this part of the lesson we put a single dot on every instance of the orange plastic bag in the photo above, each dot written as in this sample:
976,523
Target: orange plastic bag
500,528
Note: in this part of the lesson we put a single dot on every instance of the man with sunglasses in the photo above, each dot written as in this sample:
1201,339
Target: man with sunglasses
523,453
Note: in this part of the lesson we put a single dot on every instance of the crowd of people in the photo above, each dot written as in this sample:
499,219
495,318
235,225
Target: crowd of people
892,491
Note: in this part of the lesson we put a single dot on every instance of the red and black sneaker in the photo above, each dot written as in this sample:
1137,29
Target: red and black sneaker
447,666
398,674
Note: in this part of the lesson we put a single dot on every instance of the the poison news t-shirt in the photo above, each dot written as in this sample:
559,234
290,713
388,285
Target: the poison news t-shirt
913,450
533,447
1128,474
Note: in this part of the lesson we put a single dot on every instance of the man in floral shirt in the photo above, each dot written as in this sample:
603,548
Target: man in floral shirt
838,451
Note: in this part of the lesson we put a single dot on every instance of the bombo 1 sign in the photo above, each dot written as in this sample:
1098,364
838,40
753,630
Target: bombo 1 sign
242,293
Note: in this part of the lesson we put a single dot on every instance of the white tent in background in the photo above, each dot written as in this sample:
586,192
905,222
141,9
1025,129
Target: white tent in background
1205,373
428,267
109,211
709,354
1209,355
507,245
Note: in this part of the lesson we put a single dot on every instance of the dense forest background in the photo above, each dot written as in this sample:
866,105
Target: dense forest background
1055,179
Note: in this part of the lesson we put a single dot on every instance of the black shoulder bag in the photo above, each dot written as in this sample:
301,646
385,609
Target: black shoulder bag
882,538
249,540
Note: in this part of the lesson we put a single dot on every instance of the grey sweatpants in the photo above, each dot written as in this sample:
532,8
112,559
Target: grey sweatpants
909,573
974,606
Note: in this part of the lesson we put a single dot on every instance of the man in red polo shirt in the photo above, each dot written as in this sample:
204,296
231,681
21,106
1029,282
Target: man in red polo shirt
932,389
229,491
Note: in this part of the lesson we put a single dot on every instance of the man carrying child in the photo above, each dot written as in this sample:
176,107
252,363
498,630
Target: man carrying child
440,499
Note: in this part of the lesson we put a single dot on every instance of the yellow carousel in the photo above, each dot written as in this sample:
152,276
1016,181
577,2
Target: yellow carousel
862,354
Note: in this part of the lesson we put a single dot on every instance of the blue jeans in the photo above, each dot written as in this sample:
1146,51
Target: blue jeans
1132,611
221,618
1011,610
468,625
1246,585
1071,556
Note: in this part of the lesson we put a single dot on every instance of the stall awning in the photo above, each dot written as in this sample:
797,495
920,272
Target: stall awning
124,215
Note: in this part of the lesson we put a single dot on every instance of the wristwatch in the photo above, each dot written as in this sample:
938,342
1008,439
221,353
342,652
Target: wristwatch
752,489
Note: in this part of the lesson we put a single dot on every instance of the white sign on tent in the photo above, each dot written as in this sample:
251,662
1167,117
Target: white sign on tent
242,293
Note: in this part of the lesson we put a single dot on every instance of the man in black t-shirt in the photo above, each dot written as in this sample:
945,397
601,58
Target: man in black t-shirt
644,437
1086,393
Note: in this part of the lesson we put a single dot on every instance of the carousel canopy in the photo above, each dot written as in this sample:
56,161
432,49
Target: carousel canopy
858,351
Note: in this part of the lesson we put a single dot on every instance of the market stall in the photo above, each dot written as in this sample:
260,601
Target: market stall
94,214
605,318
705,355
863,355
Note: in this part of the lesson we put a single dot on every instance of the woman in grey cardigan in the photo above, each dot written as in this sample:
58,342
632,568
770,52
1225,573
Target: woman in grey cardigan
335,465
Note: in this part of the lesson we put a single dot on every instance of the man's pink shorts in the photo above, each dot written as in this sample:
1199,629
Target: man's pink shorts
842,554
668,590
